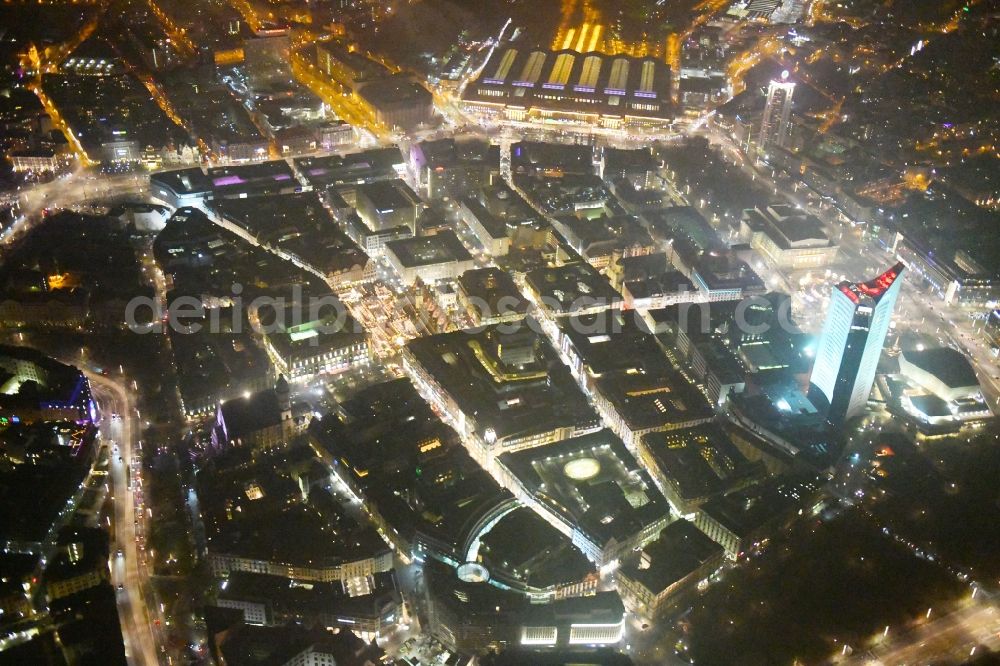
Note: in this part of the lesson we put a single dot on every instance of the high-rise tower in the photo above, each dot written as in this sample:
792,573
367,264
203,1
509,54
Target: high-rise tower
775,127
857,322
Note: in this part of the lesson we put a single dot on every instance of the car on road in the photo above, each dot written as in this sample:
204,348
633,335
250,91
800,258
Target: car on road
120,587
120,553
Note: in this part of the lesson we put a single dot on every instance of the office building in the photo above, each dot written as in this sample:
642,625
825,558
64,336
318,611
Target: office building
506,390
741,522
36,161
680,558
336,134
398,102
428,258
388,204
322,340
120,149
857,321
591,489
490,296
266,58
36,388
80,562
454,168
271,600
775,126
499,217
693,465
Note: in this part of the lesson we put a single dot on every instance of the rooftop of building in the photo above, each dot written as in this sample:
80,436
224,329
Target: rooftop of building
495,226
351,168
472,603
228,180
525,550
873,290
212,364
362,67
561,657
253,645
572,287
456,152
588,73
298,330
493,290
664,283
690,232
641,267
287,596
441,248
593,483
33,152
605,234
636,199
512,383
600,338
566,194
15,570
703,84
388,195
600,608
397,89
629,160
787,226
700,461
948,365
680,550
297,223
652,394
48,380
409,464
503,202
183,181
45,466
745,511
721,361
721,271
251,413
79,550
205,260
254,508
540,156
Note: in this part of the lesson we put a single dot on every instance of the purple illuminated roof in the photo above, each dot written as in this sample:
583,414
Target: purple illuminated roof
227,180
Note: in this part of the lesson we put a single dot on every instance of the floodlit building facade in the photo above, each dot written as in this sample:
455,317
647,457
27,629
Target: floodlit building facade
775,125
857,322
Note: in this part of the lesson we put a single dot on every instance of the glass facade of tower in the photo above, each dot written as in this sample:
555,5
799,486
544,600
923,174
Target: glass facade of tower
775,126
857,322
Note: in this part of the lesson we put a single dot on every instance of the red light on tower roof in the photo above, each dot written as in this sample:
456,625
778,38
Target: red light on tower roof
847,291
878,286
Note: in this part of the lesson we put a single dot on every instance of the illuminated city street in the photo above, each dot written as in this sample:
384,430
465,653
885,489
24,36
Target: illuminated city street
129,568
